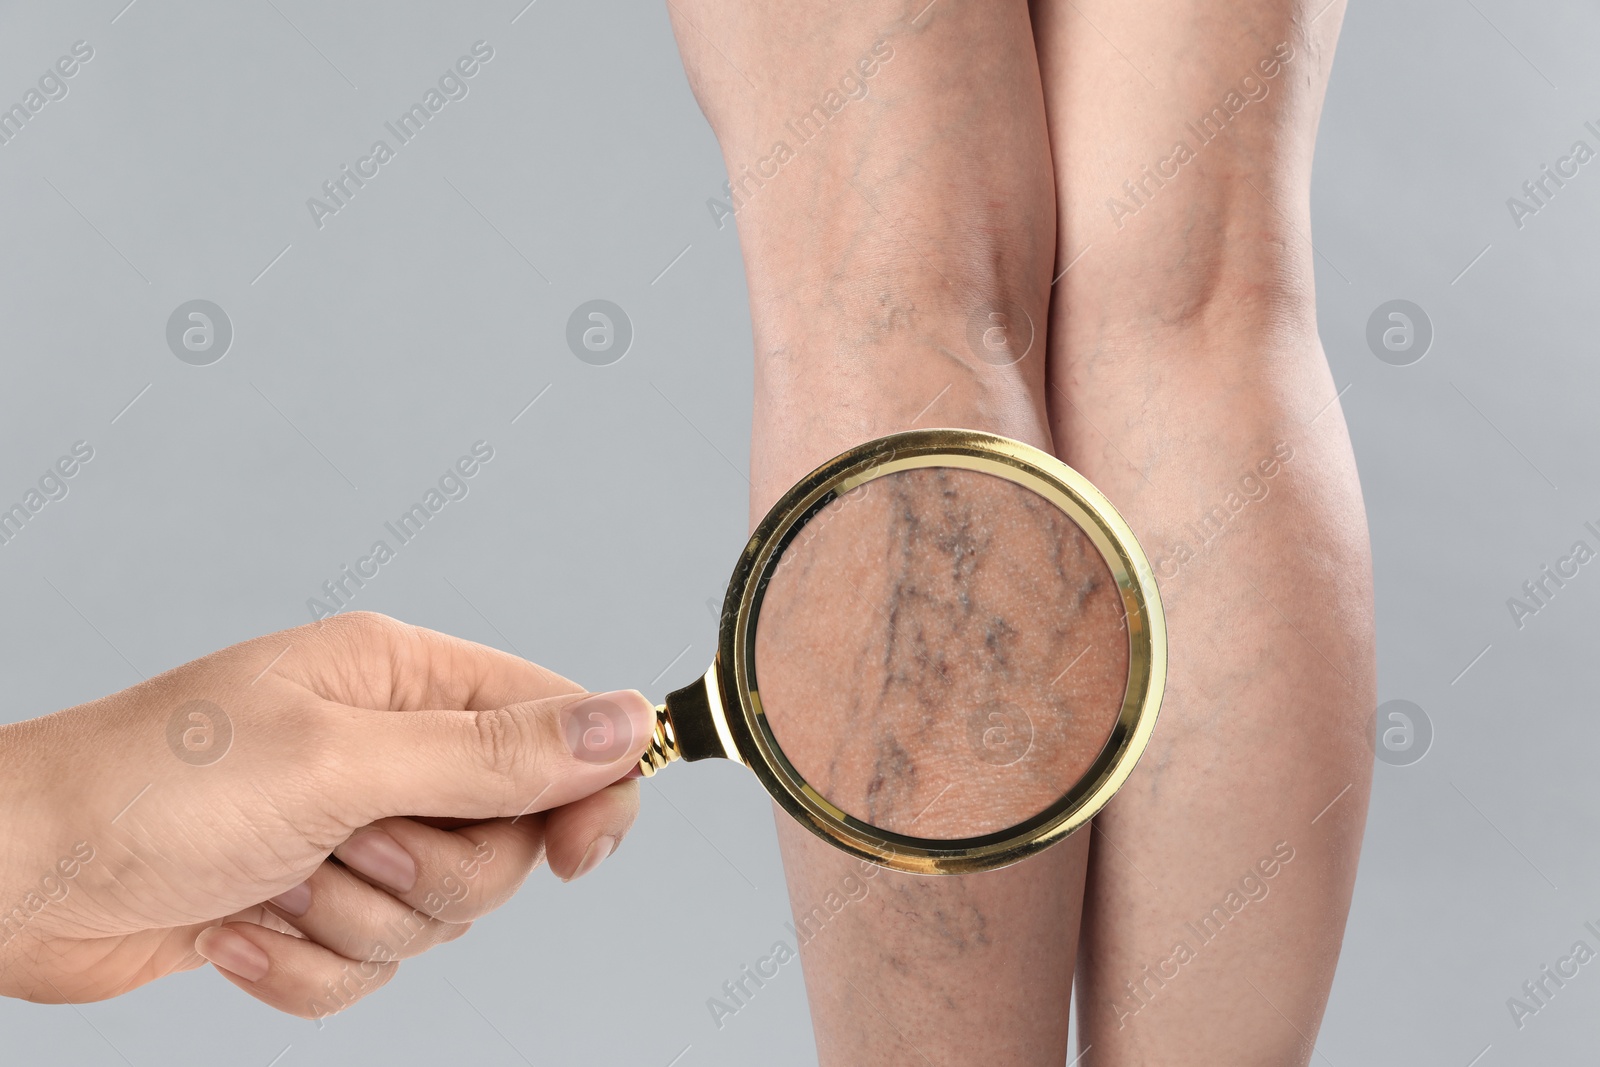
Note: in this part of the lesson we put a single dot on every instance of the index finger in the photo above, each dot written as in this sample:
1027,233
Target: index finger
466,675
366,660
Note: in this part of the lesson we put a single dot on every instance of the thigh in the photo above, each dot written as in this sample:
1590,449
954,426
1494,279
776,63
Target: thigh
1187,381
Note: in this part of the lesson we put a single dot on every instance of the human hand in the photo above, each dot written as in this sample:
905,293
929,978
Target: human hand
192,817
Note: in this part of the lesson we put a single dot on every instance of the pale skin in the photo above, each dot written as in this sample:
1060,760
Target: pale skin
384,786
1175,357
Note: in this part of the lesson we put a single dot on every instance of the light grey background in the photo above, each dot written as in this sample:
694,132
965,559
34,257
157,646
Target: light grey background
428,314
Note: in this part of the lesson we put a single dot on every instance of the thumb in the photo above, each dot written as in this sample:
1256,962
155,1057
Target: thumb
488,764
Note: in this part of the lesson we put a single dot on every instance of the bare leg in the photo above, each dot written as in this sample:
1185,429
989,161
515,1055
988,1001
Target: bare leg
885,227
1188,382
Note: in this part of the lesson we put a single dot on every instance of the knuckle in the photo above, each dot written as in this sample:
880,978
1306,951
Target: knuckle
367,623
368,619
503,743
357,626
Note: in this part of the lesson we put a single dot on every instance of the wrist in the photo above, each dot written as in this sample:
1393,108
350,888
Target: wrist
34,821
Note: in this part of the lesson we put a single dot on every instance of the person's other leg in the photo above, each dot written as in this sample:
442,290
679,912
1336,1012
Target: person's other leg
894,196
1188,382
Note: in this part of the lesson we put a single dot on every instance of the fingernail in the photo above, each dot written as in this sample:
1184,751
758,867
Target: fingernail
296,901
233,952
599,849
605,727
636,772
379,857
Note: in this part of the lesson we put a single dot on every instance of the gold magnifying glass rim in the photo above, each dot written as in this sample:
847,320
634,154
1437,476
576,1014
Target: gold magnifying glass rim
1023,465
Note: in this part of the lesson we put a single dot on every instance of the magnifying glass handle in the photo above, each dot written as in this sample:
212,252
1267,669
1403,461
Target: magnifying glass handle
691,725
663,747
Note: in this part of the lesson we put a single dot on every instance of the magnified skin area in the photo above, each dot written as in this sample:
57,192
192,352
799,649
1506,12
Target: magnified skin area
941,653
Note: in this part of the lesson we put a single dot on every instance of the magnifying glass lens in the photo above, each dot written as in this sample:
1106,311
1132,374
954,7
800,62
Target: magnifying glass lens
941,653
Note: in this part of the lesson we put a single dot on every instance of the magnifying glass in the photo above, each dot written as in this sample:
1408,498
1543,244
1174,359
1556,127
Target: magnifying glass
941,651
